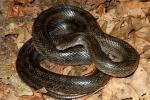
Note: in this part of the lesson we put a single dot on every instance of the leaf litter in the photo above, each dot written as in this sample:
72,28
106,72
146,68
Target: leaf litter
125,19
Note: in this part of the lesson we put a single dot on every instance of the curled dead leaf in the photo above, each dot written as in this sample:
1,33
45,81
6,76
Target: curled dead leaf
89,70
101,9
67,70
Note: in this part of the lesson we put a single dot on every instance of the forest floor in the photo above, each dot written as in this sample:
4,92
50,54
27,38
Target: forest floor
125,19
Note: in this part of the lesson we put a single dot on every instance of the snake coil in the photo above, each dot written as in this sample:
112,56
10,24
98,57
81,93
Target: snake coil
69,35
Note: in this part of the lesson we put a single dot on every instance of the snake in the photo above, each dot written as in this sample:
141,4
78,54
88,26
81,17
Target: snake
69,35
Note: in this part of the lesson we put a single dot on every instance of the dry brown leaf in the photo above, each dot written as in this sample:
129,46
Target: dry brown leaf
121,29
75,71
36,96
145,48
117,90
136,86
91,4
101,9
144,33
67,70
17,10
23,32
139,82
132,8
58,69
135,3
89,70
53,67
137,23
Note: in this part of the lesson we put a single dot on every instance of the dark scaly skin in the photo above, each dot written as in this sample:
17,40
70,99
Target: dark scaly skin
77,33
58,25
127,55
30,71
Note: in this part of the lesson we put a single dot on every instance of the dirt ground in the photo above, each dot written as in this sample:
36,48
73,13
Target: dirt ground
125,19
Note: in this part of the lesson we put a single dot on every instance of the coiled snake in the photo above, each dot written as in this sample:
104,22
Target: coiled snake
69,35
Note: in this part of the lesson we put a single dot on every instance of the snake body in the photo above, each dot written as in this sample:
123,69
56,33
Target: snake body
69,35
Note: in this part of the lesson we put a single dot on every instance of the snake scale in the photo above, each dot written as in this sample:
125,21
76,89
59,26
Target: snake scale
69,35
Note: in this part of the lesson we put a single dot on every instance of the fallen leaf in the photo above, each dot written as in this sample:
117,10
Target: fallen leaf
18,10
101,9
144,33
67,70
89,70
